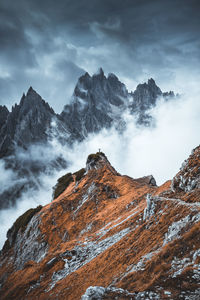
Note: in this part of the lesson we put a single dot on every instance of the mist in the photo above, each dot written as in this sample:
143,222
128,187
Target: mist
137,152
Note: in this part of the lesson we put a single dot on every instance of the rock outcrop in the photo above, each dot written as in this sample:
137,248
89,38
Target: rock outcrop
4,112
107,236
189,176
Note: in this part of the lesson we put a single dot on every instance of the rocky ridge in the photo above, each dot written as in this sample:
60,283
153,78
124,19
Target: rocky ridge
32,126
108,236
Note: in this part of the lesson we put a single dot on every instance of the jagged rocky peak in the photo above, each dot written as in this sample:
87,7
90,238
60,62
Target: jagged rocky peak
96,161
83,85
4,112
148,180
26,124
32,100
99,88
146,94
99,74
188,178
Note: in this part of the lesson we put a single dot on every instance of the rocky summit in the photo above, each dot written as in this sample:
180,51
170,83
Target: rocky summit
108,236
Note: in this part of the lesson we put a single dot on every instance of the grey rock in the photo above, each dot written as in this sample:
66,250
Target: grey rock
97,102
4,112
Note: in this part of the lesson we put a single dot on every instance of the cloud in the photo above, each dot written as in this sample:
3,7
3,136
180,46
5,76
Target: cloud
134,39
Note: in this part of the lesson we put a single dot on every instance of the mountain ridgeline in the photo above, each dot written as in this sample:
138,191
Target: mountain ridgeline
97,102
108,236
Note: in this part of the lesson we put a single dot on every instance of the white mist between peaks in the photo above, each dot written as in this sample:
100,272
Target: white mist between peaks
158,150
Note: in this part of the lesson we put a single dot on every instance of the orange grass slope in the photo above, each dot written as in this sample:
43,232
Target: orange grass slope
108,236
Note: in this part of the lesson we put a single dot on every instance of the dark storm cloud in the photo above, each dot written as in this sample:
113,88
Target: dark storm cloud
50,43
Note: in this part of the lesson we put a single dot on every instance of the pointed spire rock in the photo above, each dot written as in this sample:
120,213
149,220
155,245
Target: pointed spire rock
151,81
30,91
99,73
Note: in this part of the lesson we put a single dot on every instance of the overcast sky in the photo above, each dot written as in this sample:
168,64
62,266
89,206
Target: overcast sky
48,44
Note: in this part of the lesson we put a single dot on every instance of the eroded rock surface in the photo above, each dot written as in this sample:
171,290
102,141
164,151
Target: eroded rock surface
107,236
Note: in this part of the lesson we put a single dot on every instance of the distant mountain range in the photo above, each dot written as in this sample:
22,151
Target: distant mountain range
97,102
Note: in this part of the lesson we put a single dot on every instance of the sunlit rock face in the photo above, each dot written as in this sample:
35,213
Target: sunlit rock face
106,236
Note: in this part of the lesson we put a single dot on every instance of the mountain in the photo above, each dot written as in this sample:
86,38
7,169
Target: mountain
4,112
28,125
108,236
30,129
99,102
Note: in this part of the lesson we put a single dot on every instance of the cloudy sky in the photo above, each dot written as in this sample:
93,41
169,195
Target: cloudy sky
48,44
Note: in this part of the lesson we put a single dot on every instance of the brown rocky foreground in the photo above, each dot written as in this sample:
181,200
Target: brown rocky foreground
108,236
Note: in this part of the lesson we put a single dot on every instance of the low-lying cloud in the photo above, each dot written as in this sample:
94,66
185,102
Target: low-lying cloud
137,152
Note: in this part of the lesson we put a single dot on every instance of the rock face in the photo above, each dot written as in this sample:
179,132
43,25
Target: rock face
189,176
26,123
107,236
4,112
144,98
98,102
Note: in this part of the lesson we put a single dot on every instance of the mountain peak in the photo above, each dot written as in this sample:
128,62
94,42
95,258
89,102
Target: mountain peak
99,73
151,81
96,161
31,90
